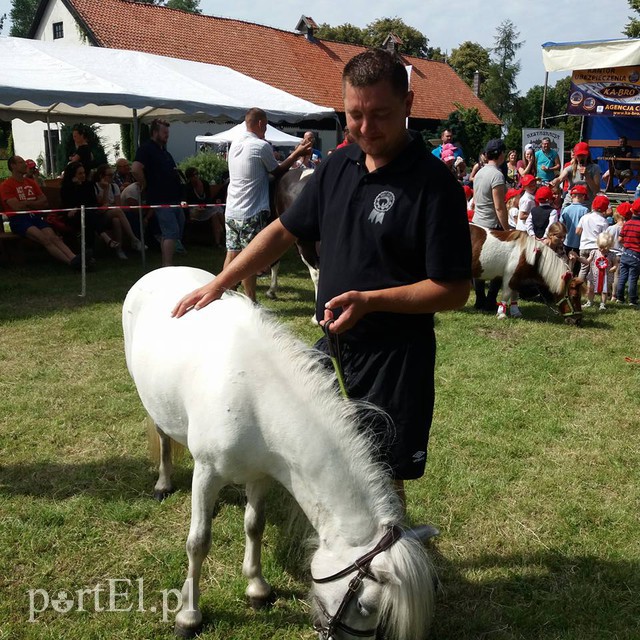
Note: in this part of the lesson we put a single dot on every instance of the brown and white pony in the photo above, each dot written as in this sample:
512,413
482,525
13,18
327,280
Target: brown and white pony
286,190
521,259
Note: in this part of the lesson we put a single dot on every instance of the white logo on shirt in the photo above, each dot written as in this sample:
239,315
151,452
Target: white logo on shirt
383,202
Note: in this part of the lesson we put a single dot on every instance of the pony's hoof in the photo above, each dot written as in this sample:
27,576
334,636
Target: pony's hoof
187,632
271,295
262,603
160,496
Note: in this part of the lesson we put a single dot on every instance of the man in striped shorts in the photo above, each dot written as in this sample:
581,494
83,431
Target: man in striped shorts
251,160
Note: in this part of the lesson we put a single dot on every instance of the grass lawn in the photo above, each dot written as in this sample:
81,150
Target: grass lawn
533,475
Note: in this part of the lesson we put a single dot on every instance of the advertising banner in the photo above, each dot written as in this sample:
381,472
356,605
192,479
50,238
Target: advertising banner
605,92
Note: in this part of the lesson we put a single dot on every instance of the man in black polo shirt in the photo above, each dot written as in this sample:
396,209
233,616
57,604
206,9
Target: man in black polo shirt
155,169
395,249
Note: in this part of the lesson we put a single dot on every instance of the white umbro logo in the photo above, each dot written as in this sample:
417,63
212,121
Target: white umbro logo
419,456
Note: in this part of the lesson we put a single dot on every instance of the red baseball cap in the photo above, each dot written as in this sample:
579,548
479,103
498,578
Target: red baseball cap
581,149
635,207
468,191
512,193
30,164
544,193
601,203
579,190
624,209
527,180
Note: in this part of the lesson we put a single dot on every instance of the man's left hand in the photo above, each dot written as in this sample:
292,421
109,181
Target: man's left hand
354,305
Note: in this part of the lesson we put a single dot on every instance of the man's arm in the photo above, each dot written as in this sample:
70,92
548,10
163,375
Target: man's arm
301,150
265,248
426,296
13,204
137,168
501,208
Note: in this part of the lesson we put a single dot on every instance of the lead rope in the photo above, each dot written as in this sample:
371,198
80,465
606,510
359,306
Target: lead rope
334,353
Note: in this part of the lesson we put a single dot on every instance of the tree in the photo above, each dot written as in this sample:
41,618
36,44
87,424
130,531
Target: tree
347,32
190,6
499,91
468,58
632,30
3,17
414,43
436,53
470,131
22,14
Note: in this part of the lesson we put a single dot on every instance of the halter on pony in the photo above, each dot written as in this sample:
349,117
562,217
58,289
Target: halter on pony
361,565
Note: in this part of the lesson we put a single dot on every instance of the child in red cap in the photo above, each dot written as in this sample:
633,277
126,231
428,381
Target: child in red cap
527,200
512,199
543,215
630,258
590,227
603,264
622,213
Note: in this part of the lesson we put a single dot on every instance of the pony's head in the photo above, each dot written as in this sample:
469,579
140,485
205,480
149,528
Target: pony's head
569,301
390,588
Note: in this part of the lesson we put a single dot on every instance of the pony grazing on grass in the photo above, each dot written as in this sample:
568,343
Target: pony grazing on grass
520,259
252,404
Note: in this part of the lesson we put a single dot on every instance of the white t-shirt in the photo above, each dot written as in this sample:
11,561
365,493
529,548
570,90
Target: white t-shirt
250,162
130,192
592,225
527,202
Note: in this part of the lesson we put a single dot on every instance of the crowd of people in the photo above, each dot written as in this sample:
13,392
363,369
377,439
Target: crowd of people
564,207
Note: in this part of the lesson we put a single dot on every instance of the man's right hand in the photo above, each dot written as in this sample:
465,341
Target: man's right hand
197,299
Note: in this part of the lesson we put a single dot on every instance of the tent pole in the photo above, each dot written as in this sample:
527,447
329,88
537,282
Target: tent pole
136,132
49,147
544,98
582,128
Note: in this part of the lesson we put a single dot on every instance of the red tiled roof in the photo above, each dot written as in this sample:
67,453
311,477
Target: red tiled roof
286,60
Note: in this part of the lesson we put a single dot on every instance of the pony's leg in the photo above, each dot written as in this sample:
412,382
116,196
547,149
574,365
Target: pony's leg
272,291
164,487
205,488
258,590
515,309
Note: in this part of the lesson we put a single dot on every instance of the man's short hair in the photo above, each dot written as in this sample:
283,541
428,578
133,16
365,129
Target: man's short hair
157,123
11,162
255,114
120,162
373,66
547,139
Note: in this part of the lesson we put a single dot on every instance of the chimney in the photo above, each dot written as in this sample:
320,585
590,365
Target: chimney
307,25
477,81
392,43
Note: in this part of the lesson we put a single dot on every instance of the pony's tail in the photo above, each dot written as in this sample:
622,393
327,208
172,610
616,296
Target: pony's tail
153,439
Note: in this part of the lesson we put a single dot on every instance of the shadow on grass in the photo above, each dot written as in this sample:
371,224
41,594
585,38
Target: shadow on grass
544,595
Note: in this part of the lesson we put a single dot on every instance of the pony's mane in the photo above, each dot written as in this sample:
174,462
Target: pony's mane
550,266
339,417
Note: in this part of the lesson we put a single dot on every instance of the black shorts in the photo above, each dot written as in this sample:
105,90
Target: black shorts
398,378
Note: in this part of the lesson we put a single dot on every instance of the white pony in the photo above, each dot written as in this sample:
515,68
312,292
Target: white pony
251,403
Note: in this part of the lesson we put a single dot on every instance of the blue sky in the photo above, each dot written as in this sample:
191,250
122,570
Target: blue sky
447,23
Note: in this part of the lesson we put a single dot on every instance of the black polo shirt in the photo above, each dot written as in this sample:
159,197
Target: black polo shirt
398,225
163,182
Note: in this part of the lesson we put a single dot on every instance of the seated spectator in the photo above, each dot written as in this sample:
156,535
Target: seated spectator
75,191
622,170
34,173
108,195
123,177
20,195
198,194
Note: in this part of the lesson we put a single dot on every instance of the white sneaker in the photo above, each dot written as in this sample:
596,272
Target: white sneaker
603,306
515,311
121,254
587,304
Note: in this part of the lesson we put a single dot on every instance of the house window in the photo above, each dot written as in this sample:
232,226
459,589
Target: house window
58,31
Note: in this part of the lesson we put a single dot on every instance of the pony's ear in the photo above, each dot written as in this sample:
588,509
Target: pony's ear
422,533
382,571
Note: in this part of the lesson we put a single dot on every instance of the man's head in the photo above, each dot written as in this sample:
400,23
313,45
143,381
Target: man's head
545,144
17,166
309,137
622,141
256,122
495,150
160,131
122,166
446,136
80,134
377,102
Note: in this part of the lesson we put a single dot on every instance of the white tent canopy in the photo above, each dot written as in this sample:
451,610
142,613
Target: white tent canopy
71,83
593,54
273,135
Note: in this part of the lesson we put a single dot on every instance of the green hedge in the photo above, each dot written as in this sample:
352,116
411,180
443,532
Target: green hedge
211,167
